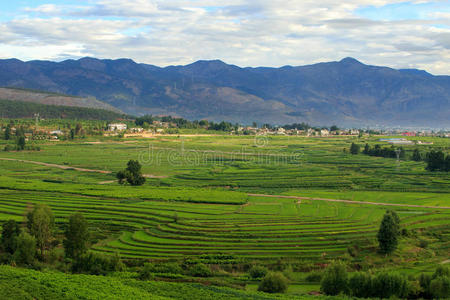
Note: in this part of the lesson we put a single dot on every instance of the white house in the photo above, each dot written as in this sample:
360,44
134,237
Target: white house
324,132
117,127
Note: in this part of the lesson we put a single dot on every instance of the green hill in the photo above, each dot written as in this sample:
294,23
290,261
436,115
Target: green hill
40,97
21,109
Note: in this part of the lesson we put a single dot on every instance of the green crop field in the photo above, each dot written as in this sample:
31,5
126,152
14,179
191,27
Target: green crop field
208,198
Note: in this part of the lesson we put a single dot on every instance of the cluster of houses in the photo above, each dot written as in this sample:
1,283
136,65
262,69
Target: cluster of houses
308,132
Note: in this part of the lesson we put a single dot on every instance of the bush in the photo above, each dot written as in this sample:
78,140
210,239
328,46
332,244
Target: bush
26,249
200,270
334,280
386,285
360,285
172,268
273,283
146,272
96,264
440,287
441,271
314,277
258,272
423,244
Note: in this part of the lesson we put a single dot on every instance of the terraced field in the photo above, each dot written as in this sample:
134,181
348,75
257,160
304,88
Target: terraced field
200,208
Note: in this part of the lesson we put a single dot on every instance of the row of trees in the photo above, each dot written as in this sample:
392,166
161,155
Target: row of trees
436,160
389,152
146,120
25,244
385,284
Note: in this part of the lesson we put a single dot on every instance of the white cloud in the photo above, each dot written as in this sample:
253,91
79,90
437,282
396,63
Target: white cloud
242,32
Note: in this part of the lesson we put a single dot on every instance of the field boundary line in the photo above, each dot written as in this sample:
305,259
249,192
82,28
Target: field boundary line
348,201
56,165
64,167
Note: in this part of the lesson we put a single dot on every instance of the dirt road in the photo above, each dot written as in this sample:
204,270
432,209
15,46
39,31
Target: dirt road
64,167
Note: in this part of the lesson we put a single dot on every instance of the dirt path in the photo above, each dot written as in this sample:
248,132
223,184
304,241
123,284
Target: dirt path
64,167
348,201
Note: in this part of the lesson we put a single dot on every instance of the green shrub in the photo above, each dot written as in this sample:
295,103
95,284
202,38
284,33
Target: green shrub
386,285
424,281
25,249
423,244
440,287
273,283
314,277
441,271
145,273
169,268
200,270
334,280
360,285
96,264
258,272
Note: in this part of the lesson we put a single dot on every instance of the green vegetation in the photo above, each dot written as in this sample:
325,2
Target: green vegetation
389,232
76,236
132,174
19,109
273,283
200,218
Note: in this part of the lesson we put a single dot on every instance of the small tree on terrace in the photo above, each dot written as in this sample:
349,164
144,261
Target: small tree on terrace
76,236
21,143
335,279
366,149
388,233
40,222
416,155
132,174
8,132
354,149
10,232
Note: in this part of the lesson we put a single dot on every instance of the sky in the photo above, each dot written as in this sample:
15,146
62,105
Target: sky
272,33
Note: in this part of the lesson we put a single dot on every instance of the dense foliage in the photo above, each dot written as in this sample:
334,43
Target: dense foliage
386,285
273,282
438,161
132,174
389,232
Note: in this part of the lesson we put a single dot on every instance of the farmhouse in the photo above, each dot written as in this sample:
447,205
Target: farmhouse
117,127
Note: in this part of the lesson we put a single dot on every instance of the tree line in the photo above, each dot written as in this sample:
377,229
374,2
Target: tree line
436,160
384,285
35,242
182,123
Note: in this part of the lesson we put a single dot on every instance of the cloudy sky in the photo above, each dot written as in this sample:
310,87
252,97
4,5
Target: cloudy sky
395,33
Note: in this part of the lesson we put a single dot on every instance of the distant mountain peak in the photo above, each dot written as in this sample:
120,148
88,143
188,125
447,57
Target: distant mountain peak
350,60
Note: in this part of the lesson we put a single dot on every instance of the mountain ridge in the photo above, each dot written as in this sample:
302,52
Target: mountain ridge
345,92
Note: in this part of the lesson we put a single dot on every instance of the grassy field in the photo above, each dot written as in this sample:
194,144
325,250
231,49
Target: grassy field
196,201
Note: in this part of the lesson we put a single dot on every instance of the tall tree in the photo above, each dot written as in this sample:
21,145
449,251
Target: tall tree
76,236
366,149
10,232
26,248
435,160
132,174
41,223
416,155
21,143
354,149
335,279
388,233
8,132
